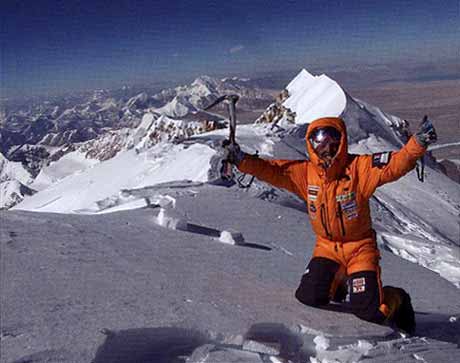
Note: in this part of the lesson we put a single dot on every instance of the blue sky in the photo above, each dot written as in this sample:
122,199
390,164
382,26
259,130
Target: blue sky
69,44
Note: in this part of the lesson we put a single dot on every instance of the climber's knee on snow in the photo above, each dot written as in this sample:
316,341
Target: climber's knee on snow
312,298
316,282
365,296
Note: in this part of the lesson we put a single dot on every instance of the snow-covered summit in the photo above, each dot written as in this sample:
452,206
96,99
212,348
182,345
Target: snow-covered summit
183,100
139,101
235,79
180,106
312,97
205,83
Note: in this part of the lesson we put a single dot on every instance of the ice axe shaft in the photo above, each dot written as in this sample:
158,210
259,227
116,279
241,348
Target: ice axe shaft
231,100
420,166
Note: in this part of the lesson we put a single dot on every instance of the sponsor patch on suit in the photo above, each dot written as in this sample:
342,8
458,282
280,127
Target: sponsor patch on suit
345,197
379,160
359,285
348,205
351,216
313,191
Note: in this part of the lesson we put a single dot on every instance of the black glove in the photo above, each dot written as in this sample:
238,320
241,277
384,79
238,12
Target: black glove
232,152
426,134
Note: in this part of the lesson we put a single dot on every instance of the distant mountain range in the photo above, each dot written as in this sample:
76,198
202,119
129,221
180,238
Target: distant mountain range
36,133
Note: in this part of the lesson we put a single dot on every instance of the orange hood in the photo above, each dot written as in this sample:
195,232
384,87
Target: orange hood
340,160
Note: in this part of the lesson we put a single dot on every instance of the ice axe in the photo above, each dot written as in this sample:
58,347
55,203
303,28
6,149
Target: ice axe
230,100
421,167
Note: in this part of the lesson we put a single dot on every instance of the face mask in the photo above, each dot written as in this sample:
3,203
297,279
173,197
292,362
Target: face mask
325,141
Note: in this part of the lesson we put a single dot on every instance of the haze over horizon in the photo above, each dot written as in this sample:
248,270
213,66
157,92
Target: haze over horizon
54,46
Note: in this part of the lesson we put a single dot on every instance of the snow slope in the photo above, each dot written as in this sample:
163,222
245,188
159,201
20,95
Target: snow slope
91,190
152,130
71,163
120,288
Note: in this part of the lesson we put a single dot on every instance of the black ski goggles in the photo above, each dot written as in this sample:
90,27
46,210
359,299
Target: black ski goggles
323,136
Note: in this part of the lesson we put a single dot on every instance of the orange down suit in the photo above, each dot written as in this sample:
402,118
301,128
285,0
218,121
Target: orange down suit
338,197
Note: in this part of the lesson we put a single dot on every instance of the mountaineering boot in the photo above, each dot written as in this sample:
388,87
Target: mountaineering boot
400,310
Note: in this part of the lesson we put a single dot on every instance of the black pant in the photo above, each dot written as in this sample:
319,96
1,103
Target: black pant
315,288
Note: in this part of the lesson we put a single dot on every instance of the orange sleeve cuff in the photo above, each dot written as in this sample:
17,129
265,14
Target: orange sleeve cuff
414,148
